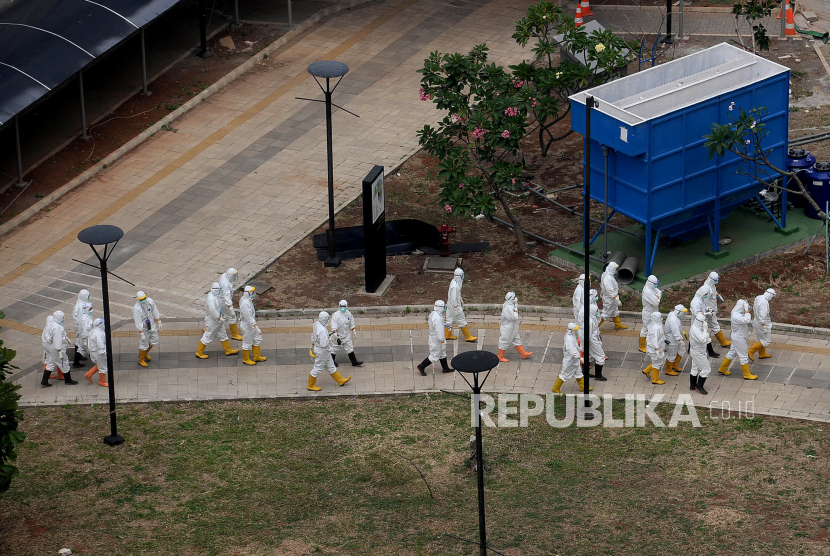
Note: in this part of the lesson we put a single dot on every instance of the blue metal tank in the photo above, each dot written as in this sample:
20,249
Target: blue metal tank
798,160
653,124
817,182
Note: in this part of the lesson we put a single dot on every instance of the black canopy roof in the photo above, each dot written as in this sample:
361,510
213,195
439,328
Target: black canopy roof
45,42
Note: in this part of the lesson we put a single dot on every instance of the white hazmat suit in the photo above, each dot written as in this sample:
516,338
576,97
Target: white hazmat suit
509,328
762,325
54,342
342,323
251,334
712,305
455,308
579,296
572,359
740,320
611,296
226,281
214,327
698,340
651,303
98,352
147,320
321,348
674,336
79,313
437,340
656,348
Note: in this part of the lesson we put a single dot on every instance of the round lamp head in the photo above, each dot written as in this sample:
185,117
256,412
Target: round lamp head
102,234
328,69
474,362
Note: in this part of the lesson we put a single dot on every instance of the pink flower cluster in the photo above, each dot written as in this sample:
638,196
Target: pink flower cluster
505,134
511,111
478,133
518,83
448,208
423,95
534,103
458,119
460,186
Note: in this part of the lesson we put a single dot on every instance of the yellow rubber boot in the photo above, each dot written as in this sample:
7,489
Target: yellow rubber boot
246,358
762,353
642,344
226,345
467,336
647,371
256,356
525,354
339,378
502,358
722,339
676,364
655,376
142,358
200,351
600,322
234,330
618,325
557,385
747,375
581,383
724,367
312,384
670,368
448,334
753,349
147,353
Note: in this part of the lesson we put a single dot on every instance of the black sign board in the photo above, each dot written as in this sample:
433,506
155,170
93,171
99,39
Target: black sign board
374,229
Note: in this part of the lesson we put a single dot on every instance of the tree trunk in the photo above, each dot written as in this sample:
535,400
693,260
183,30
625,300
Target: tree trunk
517,225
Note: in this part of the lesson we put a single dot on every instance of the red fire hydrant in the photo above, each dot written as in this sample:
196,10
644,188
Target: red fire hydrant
445,239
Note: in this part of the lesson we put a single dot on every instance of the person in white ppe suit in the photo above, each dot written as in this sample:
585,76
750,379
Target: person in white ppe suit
214,326
342,322
98,352
437,340
79,314
699,306
611,296
698,340
251,334
656,346
712,304
762,325
85,329
740,320
509,328
54,343
579,296
572,359
674,336
321,349
226,281
455,309
651,303
595,351
147,320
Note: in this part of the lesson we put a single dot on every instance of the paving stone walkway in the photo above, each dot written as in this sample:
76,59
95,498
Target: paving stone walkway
795,382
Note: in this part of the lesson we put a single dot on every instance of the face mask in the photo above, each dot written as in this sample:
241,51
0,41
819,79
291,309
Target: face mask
62,320
342,309
143,302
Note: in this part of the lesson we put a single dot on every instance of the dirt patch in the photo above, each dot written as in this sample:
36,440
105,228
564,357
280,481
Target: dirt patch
175,87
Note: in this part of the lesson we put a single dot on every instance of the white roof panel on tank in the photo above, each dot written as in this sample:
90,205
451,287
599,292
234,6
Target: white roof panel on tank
680,83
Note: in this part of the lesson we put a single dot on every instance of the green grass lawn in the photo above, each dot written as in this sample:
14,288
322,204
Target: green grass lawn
326,477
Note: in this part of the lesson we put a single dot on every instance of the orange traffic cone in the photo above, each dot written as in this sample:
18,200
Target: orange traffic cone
789,27
578,18
586,8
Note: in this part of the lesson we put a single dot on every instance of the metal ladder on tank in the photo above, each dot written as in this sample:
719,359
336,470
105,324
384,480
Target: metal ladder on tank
640,59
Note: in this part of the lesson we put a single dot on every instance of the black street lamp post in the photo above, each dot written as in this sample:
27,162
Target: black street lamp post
590,103
328,70
475,363
106,236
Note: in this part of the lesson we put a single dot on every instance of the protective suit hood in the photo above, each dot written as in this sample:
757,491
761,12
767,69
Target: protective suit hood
58,317
656,318
98,323
215,289
83,295
323,318
438,307
769,294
